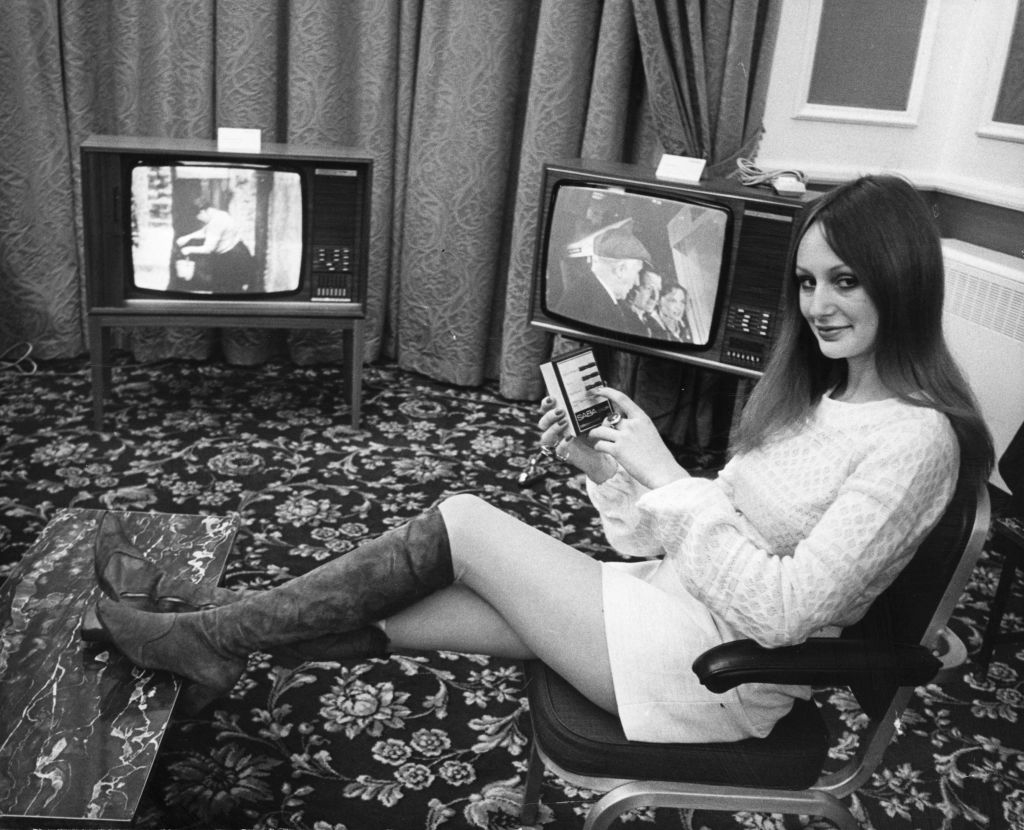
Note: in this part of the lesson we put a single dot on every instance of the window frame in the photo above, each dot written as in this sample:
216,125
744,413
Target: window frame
990,128
907,118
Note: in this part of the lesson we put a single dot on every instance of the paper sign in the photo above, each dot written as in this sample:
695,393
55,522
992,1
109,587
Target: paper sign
238,140
680,169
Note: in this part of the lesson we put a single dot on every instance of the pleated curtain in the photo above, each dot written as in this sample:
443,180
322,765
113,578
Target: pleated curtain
459,102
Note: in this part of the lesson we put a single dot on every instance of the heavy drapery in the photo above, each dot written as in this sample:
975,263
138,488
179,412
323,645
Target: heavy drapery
706,65
459,103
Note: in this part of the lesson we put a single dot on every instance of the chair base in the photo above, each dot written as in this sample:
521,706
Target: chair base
952,651
621,796
1007,541
668,794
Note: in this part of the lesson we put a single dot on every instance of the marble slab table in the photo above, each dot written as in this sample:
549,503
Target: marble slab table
80,726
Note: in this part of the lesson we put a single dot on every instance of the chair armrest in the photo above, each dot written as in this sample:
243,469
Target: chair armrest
819,661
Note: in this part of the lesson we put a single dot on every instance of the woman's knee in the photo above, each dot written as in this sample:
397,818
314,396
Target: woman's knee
463,510
474,531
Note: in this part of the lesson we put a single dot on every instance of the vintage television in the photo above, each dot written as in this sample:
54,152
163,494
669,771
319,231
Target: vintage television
180,228
709,261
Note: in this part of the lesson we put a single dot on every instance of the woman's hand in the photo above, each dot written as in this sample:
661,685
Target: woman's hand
633,441
557,437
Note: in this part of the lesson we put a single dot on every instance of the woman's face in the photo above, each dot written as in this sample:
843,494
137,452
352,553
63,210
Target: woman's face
839,311
673,304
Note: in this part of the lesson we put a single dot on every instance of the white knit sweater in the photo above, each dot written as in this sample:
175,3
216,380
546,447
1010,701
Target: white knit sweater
797,538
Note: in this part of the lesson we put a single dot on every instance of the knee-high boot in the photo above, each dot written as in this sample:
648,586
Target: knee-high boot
370,583
126,575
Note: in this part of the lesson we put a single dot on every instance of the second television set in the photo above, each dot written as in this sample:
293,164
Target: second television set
690,272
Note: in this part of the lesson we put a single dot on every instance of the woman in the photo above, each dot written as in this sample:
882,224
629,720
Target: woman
847,455
671,315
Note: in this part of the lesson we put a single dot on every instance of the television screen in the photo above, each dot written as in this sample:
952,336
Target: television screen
216,228
644,265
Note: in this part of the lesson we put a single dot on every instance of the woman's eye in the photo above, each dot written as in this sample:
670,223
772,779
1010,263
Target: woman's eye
805,283
847,281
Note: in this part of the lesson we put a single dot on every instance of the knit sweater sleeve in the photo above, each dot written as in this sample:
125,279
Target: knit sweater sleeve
630,530
627,529
883,507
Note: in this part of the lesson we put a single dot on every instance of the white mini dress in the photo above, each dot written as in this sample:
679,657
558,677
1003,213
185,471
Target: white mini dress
792,540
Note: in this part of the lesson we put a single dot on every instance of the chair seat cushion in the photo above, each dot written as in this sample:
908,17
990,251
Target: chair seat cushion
1010,529
583,739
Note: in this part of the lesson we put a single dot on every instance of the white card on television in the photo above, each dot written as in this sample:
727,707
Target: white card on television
239,140
680,168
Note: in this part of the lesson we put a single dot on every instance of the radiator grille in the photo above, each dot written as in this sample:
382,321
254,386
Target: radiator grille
984,323
985,289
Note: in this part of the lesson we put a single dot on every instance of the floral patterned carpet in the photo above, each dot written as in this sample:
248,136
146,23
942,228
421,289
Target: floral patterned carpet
435,740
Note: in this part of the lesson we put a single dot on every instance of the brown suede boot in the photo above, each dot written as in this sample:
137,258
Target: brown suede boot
368,641
368,584
126,575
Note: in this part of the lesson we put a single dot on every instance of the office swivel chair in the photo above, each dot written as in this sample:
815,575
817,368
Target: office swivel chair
881,658
1007,540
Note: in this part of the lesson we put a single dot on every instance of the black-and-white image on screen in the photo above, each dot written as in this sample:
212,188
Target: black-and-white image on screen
635,263
216,229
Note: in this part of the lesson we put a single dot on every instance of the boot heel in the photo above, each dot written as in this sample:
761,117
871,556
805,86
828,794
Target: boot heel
91,629
195,697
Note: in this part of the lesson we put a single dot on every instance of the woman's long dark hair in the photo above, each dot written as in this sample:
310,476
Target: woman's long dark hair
882,228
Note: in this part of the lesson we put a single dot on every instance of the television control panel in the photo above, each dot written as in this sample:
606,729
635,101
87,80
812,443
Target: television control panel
333,277
750,354
755,296
755,321
339,195
332,259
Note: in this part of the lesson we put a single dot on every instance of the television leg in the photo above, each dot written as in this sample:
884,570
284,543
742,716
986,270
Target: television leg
353,341
99,347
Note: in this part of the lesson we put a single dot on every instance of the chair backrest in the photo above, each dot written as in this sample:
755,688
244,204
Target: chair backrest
922,597
1011,468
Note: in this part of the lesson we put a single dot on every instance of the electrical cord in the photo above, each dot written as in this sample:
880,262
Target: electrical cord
17,358
752,175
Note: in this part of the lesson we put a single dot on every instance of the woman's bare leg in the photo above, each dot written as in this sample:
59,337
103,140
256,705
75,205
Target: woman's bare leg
456,619
518,593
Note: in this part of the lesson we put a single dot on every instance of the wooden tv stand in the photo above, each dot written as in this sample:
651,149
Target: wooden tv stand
102,321
328,188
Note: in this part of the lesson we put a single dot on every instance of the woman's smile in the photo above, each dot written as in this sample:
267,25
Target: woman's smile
830,333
